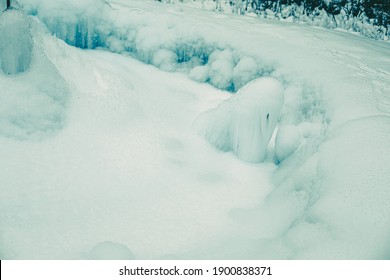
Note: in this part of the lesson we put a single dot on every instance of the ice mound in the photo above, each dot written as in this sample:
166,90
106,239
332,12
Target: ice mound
244,123
111,251
15,42
34,106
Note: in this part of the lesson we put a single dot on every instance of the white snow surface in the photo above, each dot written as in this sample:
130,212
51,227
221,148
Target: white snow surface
100,157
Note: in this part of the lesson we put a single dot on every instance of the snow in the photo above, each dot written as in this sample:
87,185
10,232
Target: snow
101,155
221,69
110,251
124,168
356,176
199,73
245,122
165,60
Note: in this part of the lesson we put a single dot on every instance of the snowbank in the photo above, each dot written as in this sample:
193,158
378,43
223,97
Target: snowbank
245,122
126,167
338,215
15,42
355,192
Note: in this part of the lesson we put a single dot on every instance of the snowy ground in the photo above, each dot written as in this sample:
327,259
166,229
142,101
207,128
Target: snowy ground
101,145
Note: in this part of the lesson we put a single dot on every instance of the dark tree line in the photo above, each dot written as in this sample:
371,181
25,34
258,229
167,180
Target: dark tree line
355,15
376,10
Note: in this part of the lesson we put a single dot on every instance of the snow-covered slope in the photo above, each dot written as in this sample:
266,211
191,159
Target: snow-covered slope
113,158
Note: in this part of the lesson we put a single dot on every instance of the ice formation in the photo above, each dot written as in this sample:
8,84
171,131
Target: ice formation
170,47
34,106
245,122
15,42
